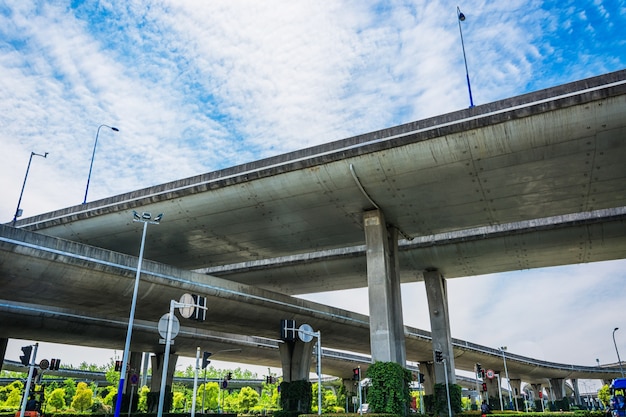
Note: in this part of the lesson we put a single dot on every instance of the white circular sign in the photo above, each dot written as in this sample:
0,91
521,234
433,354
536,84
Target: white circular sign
304,333
164,322
187,310
490,374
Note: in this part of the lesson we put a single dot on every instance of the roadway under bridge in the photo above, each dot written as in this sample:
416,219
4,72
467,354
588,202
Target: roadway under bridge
531,181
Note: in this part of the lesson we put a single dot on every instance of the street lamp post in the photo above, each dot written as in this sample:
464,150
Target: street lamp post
617,351
93,154
144,218
18,212
460,18
506,372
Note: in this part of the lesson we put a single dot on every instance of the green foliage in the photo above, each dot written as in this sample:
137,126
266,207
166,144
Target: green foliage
296,396
390,389
604,395
142,403
56,399
70,389
247,399
14,399
178,402
209,392
82,399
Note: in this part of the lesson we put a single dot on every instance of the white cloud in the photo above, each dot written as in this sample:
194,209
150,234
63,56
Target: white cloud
196,86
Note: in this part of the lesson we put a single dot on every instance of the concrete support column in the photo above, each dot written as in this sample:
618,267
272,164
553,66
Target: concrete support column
383,281
157,372
428,370
134,367
558,388
537,388
295,357
516,387
576,390
440,324
3,350
493,390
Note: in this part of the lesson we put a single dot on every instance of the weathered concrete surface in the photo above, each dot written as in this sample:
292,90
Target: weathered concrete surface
59,295
550,153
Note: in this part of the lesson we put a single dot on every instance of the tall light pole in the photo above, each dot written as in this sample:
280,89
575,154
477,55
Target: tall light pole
617,351
18,212
93,154
144,218
460,18
506,372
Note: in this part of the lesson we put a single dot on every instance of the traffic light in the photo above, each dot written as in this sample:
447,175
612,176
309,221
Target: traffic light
25,358
118,366
484,387
421,378
205,359
199,313
356,374
438,356
268,379
54,364
478,368
229,376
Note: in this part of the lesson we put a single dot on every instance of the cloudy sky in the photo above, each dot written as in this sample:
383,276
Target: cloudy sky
196,86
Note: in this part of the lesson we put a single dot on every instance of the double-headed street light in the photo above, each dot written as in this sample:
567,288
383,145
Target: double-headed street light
18,212
460,18
93,154
144,218
506,372
617,351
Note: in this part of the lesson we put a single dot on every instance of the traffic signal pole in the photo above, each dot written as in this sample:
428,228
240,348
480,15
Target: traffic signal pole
31,368
195,383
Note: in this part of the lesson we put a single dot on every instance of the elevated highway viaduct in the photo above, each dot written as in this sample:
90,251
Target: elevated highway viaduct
531,181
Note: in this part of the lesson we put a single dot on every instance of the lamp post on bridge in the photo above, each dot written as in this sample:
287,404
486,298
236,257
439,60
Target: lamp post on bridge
506,372
93,154
461,18
617,351
18,212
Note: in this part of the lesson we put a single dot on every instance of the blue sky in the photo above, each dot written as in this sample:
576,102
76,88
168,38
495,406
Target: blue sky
195,86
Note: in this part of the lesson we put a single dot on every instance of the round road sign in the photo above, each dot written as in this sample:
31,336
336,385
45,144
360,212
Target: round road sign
490,374
164,322
44,364
187,310
304,333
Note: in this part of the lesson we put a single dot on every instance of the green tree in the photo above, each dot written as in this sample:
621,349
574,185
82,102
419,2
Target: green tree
604,395
142,402
247,399
56,399
14,398
209,392
179,400
70,389
83,398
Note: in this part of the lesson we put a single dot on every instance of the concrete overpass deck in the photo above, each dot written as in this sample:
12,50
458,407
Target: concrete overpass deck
535,180
547,166
66,292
